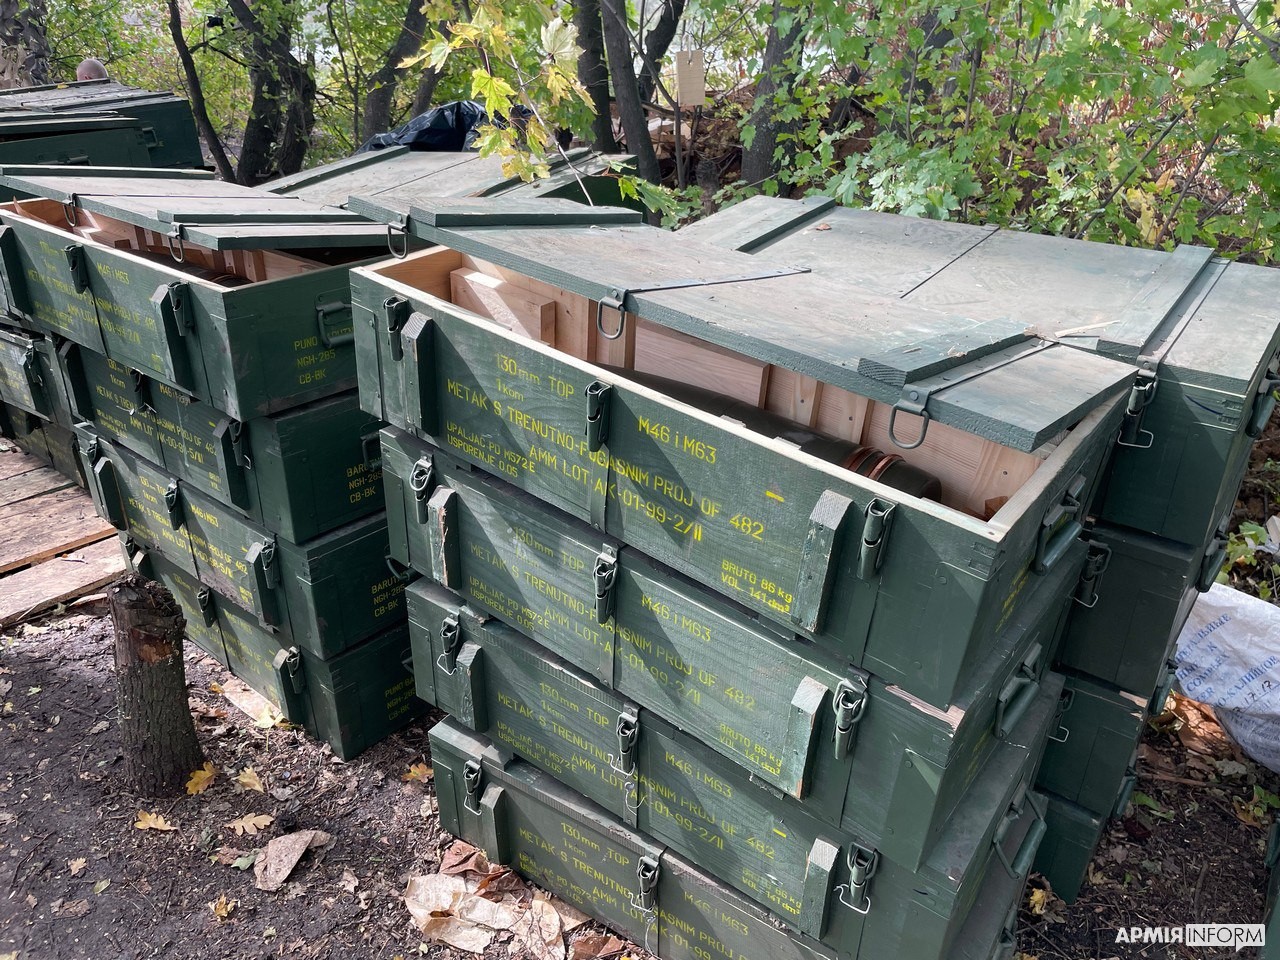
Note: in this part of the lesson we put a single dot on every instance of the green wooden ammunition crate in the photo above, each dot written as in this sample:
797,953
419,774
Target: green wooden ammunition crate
327,594
522,816
30,378
1131,613
892,777
265,331
350,701
27,137
167,127
1071,837
45,440
300,473
397,171
1091,761
797,540
662,781
1205,332
720,674
199,607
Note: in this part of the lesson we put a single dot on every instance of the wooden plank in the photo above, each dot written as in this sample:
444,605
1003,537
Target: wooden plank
676,356
505,304
14,463
48,525
428,271
841,413
794,396
31,483
55,581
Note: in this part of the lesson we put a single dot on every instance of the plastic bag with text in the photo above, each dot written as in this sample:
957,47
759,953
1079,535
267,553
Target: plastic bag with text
1229,657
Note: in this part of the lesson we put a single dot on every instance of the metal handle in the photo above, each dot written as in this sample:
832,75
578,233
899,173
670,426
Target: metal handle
1214,558
1015,700
345,335
924,416
1059,528
1020,863
150,139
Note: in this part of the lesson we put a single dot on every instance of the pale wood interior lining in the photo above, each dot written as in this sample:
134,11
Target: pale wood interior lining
227,268
978,475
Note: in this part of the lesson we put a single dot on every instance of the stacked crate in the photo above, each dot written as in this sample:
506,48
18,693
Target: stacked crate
199,336
67,123
1203,334
721,669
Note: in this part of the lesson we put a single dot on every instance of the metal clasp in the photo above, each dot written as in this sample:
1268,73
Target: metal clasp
396,310
420,478
264,552
293,669
848,705
204,602
614,301
172,503
471,778
450,643
392,230
914,400
1095,565
1141,394
875,531
178,250
605,574
862,867
628,730
647,871
598,393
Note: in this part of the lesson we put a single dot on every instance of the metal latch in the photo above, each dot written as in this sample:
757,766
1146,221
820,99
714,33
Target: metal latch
450,645
647,870
848,704
204,601
875,531
396,310
1095,564
598,394
471,779
77,266
1263,403
420,478
628,730
862,867
293,670
262,557
605,574
1141,394
173,504
173,306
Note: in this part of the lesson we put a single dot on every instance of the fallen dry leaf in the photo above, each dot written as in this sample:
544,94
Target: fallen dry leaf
571,918
250,823
200,780
418,773
270,717
597,948
225,855
540,929
462,859
152,821
101,885
77,866
249,780
100,726
222,907
456,933
1038,900
349,881
276,862
69,908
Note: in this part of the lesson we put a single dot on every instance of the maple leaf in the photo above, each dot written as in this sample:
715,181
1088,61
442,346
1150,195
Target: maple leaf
418,773
201,779
77,866
249,780
250,823
152,821
222,907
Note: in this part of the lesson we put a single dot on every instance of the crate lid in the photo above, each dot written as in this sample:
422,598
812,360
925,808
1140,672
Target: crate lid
398,172
212,213
33,123
993,378
79,96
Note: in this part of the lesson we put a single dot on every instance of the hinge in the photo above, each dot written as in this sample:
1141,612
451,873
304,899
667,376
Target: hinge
450,644
848,705
598,394
1095,565
472,779
420,478
862,867
396,310
605,574
628,730
875,532
1141,394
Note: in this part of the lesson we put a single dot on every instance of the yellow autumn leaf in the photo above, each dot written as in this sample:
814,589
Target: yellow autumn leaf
77,866
152,821
222,907
1038,901
200,780
270,717
250,823
249,780
418,773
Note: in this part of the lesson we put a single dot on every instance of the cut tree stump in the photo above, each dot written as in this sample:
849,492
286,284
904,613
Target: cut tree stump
158,735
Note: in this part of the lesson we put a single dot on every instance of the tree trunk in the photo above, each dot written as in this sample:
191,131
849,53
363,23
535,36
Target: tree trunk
426,91
626,91
777,73
384,81
194,89
157,733
593,74
656,44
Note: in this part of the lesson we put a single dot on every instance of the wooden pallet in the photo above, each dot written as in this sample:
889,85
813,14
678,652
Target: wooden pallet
55,547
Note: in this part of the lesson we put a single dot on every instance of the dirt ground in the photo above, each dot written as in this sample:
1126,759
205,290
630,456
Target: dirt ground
79,878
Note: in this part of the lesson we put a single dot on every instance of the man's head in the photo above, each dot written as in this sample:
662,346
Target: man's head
91,69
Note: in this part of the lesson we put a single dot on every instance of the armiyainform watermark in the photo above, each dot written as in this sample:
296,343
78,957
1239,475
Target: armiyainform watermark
1232,936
